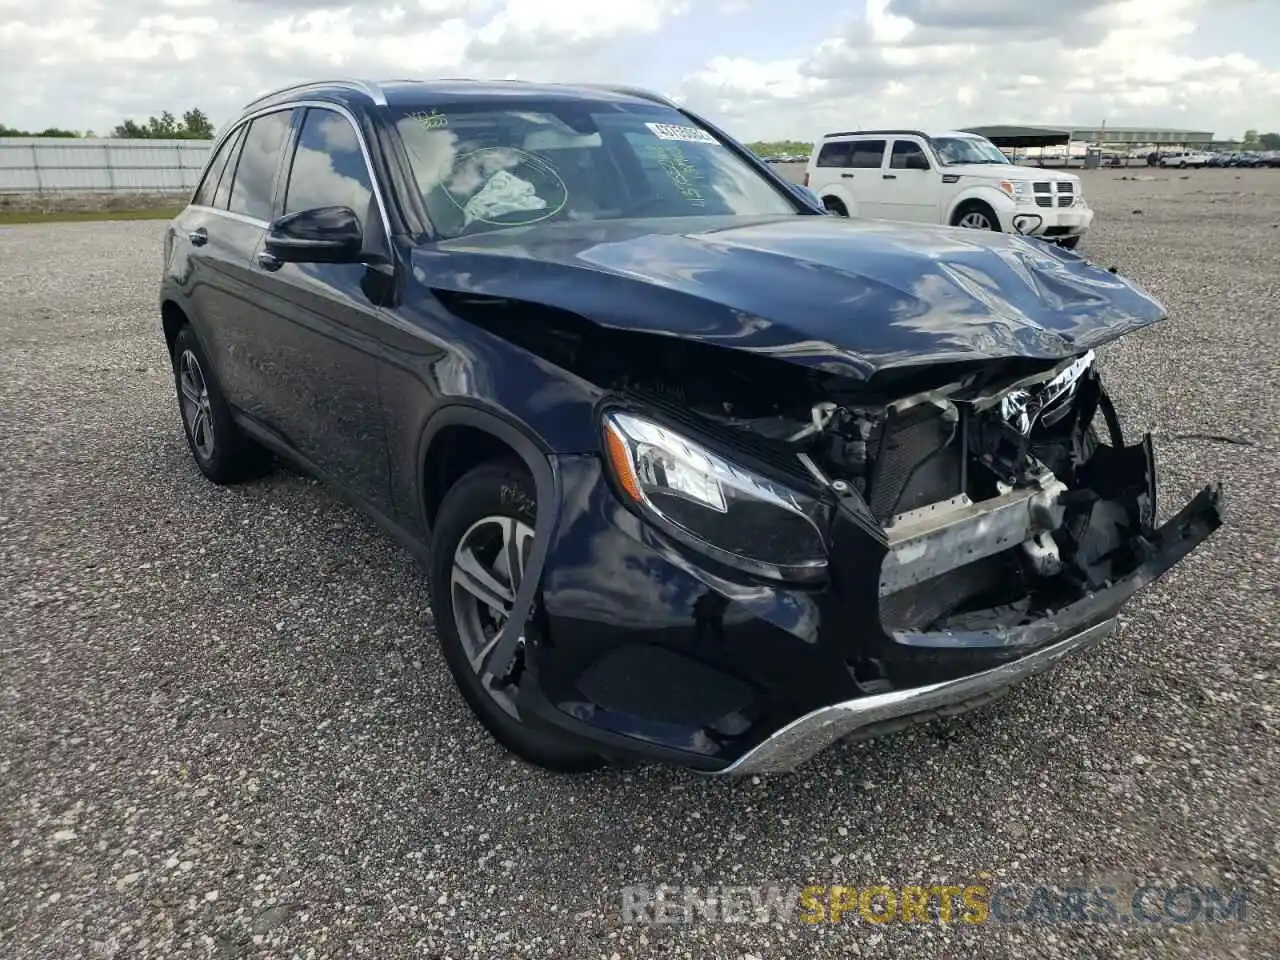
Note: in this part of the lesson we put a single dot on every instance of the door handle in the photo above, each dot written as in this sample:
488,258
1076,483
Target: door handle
198,237
847,176
269,261
889,176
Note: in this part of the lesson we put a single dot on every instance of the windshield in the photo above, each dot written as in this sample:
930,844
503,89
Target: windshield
490,166
954,150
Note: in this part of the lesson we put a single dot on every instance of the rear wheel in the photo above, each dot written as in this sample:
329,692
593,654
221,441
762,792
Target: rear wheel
481,543
835,206
221,451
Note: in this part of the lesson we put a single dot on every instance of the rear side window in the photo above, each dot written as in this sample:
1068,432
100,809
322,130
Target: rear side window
908,156
223,193
208,186
835,154
329,168
259,161
867,154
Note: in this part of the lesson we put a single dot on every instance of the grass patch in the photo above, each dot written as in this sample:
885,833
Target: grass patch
11,217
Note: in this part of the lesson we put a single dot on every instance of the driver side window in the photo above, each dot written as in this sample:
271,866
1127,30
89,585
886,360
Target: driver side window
908,155
329,169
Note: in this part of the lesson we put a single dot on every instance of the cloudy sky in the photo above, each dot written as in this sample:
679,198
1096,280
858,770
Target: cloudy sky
765,68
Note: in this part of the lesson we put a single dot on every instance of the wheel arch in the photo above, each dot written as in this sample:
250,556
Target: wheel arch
839,194
172,319
989,197
476,420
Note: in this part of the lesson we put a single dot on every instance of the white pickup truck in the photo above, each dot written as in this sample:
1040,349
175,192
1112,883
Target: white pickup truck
954,178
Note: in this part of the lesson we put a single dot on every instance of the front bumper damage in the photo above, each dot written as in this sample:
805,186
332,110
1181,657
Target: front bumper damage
650,650
1050,640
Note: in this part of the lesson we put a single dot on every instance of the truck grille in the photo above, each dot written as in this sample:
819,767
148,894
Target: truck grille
1054,193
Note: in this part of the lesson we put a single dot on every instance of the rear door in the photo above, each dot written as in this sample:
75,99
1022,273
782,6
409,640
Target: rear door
864,180
831,162
203,245
912,188
233,230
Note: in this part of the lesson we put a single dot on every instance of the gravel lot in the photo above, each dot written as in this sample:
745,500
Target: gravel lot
226,730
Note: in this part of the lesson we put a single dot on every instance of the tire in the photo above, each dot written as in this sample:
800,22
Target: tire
835,206
220,449
976,215
490,506
1069,243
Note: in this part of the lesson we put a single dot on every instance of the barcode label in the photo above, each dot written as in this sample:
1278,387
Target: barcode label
671,131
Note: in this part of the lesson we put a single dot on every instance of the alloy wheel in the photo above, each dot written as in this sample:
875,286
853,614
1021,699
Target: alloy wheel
488,565
975,220
197,411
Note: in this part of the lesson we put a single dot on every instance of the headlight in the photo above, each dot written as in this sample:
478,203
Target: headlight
1019,190
733,514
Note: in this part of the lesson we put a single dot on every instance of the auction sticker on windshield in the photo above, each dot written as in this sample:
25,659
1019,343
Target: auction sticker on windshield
672,131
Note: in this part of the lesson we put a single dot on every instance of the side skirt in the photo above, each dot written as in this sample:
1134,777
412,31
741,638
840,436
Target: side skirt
286,451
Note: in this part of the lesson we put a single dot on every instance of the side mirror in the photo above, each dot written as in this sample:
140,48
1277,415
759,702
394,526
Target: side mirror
318,235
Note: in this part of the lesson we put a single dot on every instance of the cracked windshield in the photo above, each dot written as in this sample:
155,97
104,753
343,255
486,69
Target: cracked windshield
489,169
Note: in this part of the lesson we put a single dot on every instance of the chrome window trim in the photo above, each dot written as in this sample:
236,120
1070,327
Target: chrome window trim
231,215
292,105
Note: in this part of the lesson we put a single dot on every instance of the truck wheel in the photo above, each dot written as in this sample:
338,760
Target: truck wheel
835,206
976,215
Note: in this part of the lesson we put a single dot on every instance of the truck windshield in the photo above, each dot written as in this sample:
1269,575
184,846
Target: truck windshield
488,166
956,150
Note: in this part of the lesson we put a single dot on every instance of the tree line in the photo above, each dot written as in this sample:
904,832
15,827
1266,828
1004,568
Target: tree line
194,125
780,148
1260,141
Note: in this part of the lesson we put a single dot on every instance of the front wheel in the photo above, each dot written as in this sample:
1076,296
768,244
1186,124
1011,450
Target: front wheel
481,544
976,216
1069,243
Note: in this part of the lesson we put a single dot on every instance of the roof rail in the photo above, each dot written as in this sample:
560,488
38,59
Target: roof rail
639,92
371,90
858,133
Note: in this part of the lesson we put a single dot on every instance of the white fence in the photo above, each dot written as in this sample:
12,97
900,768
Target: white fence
66,165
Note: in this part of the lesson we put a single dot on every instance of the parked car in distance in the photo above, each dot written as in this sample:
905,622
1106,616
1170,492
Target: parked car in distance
698,473
950,178
1183,160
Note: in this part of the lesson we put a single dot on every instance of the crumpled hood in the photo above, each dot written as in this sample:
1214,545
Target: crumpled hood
847,296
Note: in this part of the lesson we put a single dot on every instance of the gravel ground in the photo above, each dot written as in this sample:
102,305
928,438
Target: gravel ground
226,730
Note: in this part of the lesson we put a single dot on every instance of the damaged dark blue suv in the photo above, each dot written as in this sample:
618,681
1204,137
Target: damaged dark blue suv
699,473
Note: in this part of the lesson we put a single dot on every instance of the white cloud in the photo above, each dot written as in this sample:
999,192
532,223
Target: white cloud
91,63
949,63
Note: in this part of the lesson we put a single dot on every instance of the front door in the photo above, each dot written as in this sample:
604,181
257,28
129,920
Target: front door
319,324
912,189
